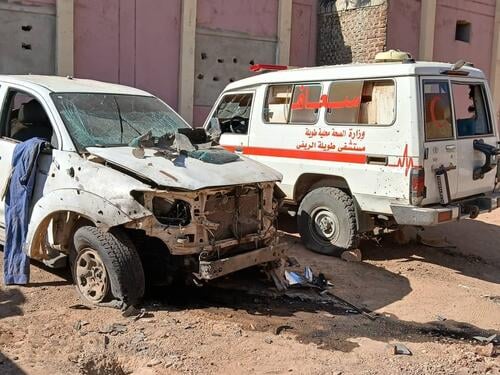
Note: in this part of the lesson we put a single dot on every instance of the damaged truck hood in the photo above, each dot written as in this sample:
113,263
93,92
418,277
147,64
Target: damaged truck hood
185,172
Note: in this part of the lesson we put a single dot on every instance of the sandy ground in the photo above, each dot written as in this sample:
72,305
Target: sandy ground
434,301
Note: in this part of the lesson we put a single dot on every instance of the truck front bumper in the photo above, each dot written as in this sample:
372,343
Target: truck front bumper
213,269
438,214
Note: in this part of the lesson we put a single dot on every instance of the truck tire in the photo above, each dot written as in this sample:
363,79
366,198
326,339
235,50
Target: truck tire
106,268
326,221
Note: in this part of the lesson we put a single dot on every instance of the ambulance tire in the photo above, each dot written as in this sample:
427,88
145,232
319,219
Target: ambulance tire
326,221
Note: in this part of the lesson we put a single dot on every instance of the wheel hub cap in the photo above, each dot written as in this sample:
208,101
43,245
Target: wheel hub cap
91,275
325,223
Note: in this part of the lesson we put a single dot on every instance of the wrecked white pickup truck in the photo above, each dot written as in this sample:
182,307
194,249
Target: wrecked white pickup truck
129,193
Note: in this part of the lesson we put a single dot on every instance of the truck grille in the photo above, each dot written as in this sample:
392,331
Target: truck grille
236,212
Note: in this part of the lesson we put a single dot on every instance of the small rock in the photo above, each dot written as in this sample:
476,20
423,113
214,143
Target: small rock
154,362
352,255
268,340
486,351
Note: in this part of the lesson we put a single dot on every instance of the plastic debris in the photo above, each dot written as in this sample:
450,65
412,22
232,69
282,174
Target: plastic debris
307,279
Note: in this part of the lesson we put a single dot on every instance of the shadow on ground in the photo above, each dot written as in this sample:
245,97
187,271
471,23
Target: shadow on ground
8,367
475,252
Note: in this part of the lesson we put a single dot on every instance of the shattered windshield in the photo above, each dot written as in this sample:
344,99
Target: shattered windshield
113,120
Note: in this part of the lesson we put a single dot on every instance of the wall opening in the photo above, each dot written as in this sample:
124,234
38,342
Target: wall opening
462,31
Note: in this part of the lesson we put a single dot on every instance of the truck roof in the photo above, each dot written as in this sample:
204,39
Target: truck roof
70,84
352,71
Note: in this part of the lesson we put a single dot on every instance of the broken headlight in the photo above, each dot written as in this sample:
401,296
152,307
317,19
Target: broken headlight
175,212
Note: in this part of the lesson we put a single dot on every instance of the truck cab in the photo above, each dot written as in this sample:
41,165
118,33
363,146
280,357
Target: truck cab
360,146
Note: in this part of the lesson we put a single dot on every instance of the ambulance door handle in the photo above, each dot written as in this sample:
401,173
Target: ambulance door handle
451,148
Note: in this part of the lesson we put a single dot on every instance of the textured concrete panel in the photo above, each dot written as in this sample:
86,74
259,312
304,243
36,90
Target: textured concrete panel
27,44
253,17
223,58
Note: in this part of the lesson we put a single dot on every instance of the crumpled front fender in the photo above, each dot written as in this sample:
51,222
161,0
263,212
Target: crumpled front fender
103,213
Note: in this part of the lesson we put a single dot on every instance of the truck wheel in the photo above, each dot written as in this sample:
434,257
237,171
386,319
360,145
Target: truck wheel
106,268
327,221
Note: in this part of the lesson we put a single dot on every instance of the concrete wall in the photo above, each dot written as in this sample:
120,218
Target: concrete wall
403,26
120,41
230,36
481,16
304,33
28,31
352,31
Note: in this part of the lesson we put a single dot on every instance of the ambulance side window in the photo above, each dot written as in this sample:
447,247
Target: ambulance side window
277,105
437,107
233,113
471,114
305,104
361,102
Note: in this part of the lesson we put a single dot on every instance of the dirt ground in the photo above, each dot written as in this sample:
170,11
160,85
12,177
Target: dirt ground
434,301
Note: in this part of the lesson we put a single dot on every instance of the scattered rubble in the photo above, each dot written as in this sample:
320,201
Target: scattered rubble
352,255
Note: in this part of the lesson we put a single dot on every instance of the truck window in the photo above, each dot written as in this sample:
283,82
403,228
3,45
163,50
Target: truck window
305,104
24,118
277,106
361,102
233,113
470,110
437,107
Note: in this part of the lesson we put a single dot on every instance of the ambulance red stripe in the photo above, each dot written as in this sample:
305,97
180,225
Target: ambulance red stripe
301,154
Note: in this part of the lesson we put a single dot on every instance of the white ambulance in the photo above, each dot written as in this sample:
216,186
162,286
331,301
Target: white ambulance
360,146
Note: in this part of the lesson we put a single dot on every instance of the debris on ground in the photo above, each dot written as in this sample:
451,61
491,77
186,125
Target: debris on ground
79,306
487,340
268,340
307,279
441,318
352,255
79,324
281,328
401,349
494,299
114,329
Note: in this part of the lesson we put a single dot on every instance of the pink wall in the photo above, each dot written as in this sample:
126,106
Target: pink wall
481,16
254,17
304,30
403,26
96,39
118,41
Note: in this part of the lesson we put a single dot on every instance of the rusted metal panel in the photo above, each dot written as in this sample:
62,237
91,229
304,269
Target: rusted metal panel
210,270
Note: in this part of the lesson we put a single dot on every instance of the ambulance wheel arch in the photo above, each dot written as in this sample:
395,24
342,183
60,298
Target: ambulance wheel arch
308,182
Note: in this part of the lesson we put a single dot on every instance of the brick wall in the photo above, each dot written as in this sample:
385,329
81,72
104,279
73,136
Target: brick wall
353,34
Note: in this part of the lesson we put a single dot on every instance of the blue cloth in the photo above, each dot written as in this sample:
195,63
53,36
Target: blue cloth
17,210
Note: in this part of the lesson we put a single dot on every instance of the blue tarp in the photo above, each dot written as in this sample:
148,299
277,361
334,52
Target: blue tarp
17,202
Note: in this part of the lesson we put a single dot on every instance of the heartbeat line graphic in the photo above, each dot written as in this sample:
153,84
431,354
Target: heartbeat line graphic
404,161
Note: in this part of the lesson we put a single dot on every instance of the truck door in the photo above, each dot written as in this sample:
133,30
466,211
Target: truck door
473,123
440,145
232,114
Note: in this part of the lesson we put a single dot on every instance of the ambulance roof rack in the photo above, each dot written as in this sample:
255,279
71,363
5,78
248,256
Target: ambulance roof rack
257,68
394,56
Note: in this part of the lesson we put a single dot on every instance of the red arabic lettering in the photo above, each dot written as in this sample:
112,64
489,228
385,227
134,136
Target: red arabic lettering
303,102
